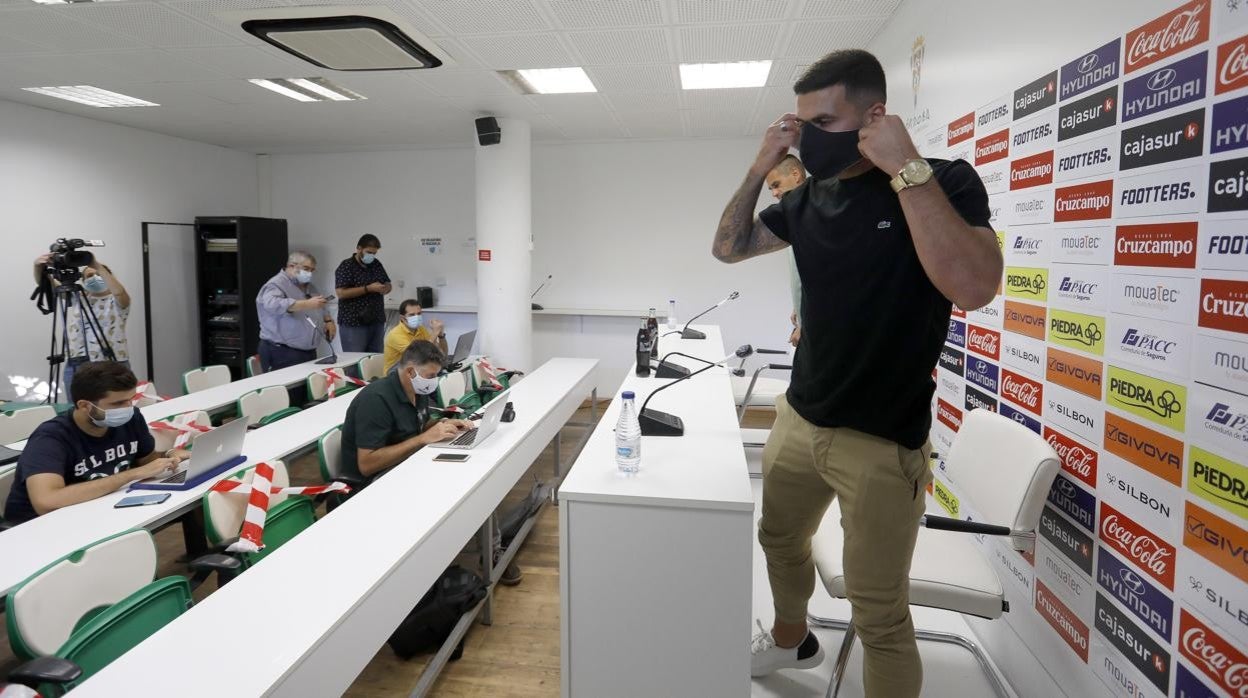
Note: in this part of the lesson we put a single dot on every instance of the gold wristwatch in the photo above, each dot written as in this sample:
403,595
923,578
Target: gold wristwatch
913,173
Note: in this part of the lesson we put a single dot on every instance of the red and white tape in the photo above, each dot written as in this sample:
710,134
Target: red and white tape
331,385
184,424
488,370
147,391
251,538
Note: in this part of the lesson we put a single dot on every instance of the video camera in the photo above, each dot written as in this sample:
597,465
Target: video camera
68,258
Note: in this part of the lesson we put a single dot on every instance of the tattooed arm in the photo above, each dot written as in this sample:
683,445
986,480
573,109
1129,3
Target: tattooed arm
741,234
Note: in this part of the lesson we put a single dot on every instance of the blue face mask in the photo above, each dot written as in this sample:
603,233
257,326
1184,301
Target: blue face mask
114,417
413,321
95,284
368,257
303,276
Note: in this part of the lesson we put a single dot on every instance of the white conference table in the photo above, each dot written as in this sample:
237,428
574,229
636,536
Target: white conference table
655,567
27,548
330,597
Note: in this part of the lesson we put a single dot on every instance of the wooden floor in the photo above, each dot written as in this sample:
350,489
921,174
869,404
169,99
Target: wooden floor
516,657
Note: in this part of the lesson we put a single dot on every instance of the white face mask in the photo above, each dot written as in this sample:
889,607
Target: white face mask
96,284
117,417
422,385
303,276
413,321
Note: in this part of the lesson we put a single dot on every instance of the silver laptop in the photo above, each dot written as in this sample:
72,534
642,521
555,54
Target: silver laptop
463,347
212,448
489,422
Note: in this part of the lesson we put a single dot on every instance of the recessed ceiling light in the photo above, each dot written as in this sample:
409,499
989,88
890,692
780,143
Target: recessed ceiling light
345,43
707,76
69,2
552,81
91,96
308,89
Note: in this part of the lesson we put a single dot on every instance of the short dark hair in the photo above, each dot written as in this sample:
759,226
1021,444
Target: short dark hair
368,240
96,379
858,71
790,163
421,352
407,304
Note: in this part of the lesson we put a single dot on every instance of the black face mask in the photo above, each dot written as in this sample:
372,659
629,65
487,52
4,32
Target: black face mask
826,153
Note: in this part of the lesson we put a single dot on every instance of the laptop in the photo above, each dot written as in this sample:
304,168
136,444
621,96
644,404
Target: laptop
493,414
463,347
214,452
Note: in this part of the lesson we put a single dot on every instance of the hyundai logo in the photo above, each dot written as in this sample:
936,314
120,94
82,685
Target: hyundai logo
1089,62
981,366
1161,79
1066,488
1131,580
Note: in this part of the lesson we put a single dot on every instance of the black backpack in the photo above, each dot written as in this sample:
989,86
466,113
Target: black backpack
455,593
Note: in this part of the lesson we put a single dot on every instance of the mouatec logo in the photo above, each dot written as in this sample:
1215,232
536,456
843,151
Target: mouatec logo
1077,459
1146,601
1088,114
1024,319
1144,448
1179,83
1219,659
984,342
1064,621
1080,374
1217,540
1168,245
1089,71
961,129
1081,202
1153,399
1145,549
1133,642
1023,391
1224,305
1173,138
992,147
1168,35
1232,70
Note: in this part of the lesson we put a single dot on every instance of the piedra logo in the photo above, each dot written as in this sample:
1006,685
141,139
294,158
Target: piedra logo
1027,283
1078,331
1150,398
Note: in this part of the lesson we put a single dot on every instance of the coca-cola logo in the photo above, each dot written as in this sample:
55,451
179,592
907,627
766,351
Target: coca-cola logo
1232,65
1219,660
1153,556
1076,459
1024,392
1168,35
983,341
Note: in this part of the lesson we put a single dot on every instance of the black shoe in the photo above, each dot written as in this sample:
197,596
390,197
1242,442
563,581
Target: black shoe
511,576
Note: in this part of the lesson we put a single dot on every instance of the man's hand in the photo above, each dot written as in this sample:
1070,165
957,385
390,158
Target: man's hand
795,336
43,260
437,327
886,143
445,429
331,330
313,303
157,468
376,287
781,135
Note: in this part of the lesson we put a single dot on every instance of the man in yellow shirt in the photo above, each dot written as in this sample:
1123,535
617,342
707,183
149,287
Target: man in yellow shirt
411,327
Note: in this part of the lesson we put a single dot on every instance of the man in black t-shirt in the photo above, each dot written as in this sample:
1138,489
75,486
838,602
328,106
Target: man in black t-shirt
884,241
362,284
98,448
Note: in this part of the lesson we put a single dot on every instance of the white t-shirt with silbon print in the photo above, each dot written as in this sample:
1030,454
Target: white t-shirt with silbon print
112,318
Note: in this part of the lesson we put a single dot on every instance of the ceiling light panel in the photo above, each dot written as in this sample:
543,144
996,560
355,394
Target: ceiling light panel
91,96
708,76
552,81
308,89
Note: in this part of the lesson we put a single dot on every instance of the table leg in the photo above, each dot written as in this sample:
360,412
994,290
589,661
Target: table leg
558,460
486,541
593,406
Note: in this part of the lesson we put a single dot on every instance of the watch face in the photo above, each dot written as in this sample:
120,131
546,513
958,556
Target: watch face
917,171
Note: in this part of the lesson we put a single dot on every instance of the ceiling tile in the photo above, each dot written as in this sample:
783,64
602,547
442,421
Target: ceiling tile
654,124
514,51
579,14
53,28
44,71
633,78
718,123
728,98
486,16
154,25
644,102
464,83
695,11
622,47
11,46
508,106
247,62
155,66
816,39
210,12
728,43
823,9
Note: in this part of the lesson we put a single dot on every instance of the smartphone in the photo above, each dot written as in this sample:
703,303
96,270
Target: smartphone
451,457
141,500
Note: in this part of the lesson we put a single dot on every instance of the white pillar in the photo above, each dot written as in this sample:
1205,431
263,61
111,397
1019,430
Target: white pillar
504,224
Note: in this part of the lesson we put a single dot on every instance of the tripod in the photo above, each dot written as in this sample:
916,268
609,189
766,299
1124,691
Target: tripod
56,300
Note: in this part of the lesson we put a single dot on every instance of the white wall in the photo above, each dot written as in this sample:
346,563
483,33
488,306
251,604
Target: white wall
67,176
620,225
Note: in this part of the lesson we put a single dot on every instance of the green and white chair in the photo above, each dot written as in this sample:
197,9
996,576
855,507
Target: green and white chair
8,473
265,406
318,387
93,605
287,516
329,456
19,422
371,367
453,392
254,368
165,438
205,377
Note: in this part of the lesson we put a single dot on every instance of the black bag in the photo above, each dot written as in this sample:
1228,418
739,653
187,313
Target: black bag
455,593
510,523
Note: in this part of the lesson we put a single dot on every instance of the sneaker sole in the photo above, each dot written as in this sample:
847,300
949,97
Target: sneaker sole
801,664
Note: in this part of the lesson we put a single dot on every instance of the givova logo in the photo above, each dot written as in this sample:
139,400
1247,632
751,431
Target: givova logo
1031,283
1218,481
1077,331
1217,540
1158,401
1149,450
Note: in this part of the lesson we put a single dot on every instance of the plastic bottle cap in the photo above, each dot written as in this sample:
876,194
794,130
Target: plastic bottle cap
628,395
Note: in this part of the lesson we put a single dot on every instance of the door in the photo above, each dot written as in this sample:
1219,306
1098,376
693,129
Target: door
171,309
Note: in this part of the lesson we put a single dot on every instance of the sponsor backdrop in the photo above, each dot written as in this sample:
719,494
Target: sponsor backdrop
1119,188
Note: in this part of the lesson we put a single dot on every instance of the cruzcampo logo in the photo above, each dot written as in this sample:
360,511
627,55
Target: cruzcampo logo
1031,283
945,497
1077,331
1217,481
1151,398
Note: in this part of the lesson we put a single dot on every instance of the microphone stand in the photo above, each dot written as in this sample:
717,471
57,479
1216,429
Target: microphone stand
333,357
535,306
656,423
686,333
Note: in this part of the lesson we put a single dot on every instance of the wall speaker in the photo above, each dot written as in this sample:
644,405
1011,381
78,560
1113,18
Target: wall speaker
488,131
424,296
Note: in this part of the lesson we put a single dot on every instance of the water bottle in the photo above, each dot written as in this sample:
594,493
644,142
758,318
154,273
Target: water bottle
628,436
671,315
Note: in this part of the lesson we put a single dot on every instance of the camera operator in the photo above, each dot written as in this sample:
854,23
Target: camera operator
111,304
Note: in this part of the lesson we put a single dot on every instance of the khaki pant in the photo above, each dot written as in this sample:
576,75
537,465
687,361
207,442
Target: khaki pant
880,486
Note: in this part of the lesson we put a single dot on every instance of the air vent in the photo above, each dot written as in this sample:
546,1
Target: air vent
349,42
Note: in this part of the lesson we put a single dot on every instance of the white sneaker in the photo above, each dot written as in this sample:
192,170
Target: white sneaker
766,657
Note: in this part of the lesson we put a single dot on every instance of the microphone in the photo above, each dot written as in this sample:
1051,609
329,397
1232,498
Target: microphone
539,288
656,423
333,357
686,333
